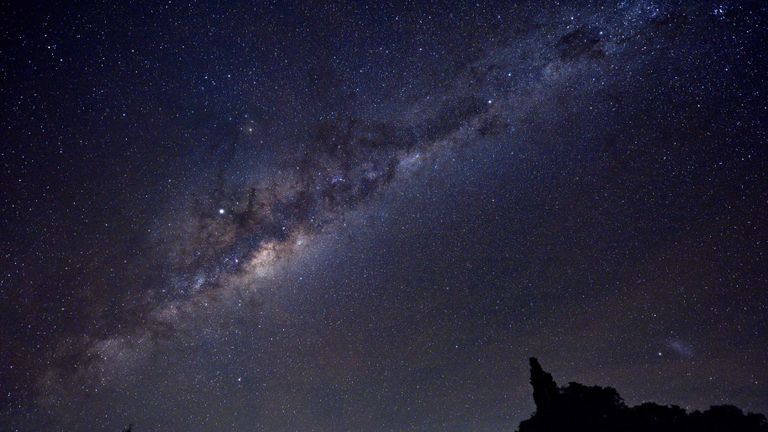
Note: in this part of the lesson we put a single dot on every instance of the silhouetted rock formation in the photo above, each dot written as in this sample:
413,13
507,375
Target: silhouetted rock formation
577,407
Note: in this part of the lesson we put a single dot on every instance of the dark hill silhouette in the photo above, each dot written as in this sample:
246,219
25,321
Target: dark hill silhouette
577,407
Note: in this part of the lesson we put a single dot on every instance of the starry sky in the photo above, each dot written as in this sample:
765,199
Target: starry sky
329,216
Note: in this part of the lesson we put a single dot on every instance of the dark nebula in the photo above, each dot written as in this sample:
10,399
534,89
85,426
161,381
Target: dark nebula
367,216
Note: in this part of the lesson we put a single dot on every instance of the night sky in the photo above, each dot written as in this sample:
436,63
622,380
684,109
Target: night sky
225,216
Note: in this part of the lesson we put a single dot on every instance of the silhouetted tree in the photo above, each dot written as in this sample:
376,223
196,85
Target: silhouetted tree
577,407
544,387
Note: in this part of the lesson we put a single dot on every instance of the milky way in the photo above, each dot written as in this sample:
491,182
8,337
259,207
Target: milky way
367,218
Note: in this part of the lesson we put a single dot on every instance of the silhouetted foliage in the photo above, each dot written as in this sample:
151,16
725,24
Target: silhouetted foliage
577,407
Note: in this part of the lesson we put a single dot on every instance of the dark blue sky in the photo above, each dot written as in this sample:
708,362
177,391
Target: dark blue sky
281,217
